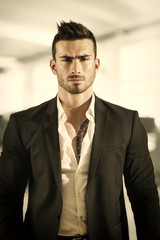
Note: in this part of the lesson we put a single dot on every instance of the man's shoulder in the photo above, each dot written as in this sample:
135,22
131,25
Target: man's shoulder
118,117
35,111
113,108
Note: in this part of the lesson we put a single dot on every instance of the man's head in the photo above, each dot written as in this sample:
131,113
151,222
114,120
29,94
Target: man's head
72,31
74,58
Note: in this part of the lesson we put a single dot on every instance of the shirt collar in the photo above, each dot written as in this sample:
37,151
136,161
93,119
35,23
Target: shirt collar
90,114
61,113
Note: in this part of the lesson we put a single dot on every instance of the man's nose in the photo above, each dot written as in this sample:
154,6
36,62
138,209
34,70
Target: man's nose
76,67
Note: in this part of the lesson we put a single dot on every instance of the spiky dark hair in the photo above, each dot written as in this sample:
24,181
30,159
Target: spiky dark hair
72,31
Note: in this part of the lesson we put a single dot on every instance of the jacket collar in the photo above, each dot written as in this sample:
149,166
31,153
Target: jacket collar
52,140
101,121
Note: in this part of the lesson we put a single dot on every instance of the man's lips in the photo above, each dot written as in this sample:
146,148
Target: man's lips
76,79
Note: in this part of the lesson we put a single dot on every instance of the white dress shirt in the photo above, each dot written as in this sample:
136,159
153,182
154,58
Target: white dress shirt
74,175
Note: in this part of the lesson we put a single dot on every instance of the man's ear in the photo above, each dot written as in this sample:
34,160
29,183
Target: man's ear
53,66
97,64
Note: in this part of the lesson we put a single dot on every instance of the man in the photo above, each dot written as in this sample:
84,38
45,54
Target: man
74,151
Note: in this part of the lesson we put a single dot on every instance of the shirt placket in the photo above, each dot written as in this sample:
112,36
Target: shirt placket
79,203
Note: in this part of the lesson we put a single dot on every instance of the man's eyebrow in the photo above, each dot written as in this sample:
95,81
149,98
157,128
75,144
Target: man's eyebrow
66,57
81,56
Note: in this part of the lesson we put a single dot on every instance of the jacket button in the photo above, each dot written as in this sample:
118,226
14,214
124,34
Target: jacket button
57,217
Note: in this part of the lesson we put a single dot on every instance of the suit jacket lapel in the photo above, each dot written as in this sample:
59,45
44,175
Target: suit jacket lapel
101,120
52,140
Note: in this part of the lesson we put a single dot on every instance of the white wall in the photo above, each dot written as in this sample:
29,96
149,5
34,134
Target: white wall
130,71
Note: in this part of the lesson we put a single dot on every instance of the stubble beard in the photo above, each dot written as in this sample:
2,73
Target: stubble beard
76,88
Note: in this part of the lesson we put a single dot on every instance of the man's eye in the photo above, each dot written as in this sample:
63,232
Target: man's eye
66,60
84,59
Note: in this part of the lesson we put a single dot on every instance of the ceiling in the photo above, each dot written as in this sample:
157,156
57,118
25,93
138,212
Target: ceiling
28,27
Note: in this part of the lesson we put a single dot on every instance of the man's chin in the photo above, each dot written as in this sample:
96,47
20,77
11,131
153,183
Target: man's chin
76,92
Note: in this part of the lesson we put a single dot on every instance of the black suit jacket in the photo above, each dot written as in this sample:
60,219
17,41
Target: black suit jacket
31,151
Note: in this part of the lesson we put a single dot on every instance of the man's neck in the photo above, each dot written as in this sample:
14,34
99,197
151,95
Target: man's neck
76,105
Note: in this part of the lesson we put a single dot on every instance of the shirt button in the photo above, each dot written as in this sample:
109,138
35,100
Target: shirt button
82,218
57,217
79,195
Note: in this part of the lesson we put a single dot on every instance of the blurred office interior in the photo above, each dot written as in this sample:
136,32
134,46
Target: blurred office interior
128,39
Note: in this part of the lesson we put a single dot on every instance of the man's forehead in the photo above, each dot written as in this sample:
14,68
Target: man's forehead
72,42
68,46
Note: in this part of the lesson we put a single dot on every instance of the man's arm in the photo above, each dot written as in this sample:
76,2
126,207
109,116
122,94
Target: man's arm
140,184
14,168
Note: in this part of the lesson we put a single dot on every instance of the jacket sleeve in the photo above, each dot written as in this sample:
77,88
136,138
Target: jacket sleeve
140,184
14,170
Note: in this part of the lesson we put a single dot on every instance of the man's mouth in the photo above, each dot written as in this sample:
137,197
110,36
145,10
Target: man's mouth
75,78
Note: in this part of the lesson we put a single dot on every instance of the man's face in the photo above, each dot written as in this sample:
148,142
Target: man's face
75,65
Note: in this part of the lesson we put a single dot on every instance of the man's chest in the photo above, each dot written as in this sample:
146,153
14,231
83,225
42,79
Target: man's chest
77,134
